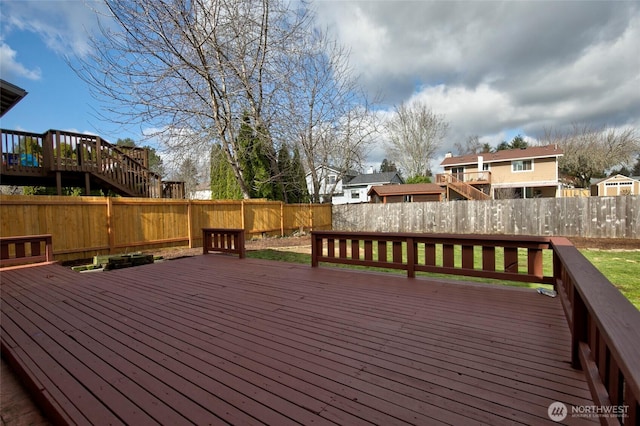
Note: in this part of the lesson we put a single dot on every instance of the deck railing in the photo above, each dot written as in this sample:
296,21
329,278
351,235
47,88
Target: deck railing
32,154
223,240
483,177
462,184
87,153
419,253
605,332
25,249
605,326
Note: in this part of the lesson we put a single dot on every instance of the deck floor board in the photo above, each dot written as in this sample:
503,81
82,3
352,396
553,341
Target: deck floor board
217,340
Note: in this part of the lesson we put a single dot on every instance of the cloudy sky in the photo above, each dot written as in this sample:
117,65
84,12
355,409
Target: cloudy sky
493,69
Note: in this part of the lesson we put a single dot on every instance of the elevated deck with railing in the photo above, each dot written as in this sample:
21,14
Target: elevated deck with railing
57,158
469,185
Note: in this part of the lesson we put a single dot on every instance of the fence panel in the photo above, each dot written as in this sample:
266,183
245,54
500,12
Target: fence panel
78,225
83,227
144,223
262,218
219,214
588,217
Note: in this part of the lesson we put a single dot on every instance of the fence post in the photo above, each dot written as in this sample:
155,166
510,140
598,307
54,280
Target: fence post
110,234
242,215
189,223
281,218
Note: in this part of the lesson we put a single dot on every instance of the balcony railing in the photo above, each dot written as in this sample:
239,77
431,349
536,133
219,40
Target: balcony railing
31,154
604,325
457,182
473,178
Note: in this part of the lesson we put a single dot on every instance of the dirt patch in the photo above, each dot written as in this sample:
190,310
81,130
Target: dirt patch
606,243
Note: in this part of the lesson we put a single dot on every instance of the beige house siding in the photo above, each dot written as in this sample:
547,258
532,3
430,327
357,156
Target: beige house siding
543,170
540,181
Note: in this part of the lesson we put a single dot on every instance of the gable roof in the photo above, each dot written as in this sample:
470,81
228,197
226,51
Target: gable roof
406,189
506,155
372,178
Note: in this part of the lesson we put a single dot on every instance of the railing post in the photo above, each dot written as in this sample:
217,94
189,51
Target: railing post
579,331
206,241
534,260
99,164
411,258
314,249
47,150
48,249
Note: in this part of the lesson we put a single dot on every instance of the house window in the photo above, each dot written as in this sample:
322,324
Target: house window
522,165
485,167
355,195
330,180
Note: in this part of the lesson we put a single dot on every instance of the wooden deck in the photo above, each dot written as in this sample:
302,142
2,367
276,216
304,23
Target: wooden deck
214,339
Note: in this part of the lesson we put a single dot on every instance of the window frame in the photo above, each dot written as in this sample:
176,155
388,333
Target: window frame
522,163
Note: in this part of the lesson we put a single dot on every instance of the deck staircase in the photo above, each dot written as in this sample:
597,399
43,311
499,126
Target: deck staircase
466,190
57,158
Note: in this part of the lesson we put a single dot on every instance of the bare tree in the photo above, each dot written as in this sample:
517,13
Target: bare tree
330,119
589,152
415,133
195,67
472,145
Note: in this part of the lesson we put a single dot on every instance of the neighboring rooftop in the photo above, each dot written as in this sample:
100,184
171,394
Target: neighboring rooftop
372,178
10,95
407,189
505,155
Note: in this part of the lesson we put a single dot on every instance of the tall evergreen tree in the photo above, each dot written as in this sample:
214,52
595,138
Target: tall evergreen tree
286,176
300,192
224,185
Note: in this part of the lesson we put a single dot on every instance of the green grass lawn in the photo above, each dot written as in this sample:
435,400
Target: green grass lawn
622,268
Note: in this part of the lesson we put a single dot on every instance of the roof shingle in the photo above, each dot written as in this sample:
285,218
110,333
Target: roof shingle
505,155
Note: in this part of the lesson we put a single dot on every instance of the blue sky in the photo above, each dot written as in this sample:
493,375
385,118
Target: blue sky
33,58
492,69
57,98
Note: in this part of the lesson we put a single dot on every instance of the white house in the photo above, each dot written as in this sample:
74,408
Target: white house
356,190
201,192
330,178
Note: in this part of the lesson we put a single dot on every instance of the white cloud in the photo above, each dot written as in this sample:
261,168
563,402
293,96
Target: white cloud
11,68
495,68
62,25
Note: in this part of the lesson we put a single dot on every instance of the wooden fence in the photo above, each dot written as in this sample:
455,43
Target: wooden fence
83,227
590,217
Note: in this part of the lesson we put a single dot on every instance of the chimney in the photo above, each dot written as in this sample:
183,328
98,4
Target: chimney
448,155
370,171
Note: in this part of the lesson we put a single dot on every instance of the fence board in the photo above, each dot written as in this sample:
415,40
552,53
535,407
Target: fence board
589,217
83,227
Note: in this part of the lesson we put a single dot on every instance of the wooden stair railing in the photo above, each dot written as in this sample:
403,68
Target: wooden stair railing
29,154
464,189
105,161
